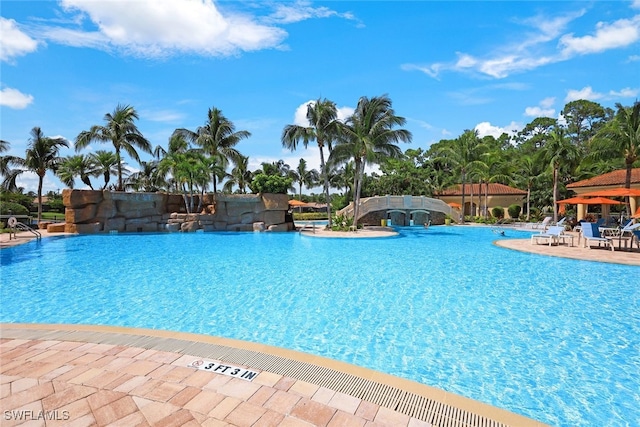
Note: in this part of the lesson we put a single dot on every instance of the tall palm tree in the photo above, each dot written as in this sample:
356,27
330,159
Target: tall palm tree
302,176
368,136
240,176
43,154
8,174
463,155
147,179
75,166
104,163
322,116
121,131
218,138
621,136
558,152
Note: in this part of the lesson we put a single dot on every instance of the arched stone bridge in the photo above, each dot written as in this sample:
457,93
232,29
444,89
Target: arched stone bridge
401,209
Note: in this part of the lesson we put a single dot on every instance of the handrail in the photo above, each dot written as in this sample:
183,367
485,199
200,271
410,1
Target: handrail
304,227
15,224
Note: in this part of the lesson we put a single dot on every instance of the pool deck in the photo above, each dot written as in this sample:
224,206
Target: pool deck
84,375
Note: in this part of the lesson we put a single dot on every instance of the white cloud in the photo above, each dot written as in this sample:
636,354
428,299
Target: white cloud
300,116
584,93
543,109
29,181
486,129
14,42
621,33
159,28
627,92
534,49
162,116
589,94
286,13
15,99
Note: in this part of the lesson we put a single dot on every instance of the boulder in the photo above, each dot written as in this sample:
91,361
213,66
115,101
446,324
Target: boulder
279,227
80,198
189,226
258,226
275,202
117,224
274,217
80,215
58,227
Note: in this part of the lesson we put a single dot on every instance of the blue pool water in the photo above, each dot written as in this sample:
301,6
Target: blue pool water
554,339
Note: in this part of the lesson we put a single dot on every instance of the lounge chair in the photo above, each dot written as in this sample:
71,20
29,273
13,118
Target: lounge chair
555,233
541,225
590,232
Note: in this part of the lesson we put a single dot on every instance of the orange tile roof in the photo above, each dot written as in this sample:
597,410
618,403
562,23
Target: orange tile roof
494,189
616,177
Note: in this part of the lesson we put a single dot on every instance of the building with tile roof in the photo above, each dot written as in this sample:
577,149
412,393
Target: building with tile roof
607,181
474,197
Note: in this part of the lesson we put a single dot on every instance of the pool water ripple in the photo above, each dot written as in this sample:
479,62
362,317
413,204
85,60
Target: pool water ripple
550,338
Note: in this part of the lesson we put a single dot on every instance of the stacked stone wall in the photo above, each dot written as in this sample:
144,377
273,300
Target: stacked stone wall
88,211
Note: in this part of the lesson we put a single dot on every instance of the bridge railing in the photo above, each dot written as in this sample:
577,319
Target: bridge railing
378,203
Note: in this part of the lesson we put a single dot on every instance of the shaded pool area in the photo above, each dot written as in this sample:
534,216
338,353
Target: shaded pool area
552,339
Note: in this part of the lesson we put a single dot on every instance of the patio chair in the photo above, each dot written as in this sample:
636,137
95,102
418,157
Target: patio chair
590,232
543,224
555,233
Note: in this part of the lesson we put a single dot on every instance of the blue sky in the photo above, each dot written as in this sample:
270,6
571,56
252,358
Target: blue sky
447,65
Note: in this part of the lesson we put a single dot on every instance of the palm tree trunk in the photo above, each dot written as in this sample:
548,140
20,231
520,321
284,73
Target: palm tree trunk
463,190
471,196
627,184
40,180
356,207
323,168
528,202
120,186
555,194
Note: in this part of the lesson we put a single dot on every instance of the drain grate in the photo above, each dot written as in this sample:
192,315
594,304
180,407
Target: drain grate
431,411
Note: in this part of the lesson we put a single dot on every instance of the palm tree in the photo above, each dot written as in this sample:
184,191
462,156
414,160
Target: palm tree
368,137
42,155
323,126
240,176
121,131
218,138
104,163
621,136
463,156
558,152
302,176
9,175
75,166
147,179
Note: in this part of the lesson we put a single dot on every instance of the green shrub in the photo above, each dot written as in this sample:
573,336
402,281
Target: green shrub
309,216
514,210
15,208
341,223
262,183
497,212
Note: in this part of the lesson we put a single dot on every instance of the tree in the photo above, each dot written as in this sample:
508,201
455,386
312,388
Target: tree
121,131
584,118
43,154
147,179
302,176
8,174
218,138
323,125
621,138
240,176
368,137
463,155
75,166
104,163
558,152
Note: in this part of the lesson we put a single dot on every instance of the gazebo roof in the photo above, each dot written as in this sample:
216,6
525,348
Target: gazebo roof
493,190
616,177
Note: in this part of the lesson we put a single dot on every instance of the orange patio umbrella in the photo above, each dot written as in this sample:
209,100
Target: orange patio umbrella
296,203
455,205
614,192
590,201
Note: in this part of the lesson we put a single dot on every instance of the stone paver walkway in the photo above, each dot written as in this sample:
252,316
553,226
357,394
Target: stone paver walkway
55,383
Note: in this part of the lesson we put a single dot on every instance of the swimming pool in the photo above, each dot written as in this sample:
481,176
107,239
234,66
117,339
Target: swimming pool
554,339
